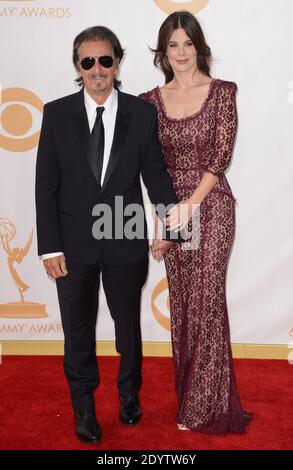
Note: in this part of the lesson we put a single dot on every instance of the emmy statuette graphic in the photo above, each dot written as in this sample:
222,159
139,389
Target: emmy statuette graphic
21,308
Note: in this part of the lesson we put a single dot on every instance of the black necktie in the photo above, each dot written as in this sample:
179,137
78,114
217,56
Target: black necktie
98,143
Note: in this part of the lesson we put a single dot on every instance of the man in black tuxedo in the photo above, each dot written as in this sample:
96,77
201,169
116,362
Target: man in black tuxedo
94,146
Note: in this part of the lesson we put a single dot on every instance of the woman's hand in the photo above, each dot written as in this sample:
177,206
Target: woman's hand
180,215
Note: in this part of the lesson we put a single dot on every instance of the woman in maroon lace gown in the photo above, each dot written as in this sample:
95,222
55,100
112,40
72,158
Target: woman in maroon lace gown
197,119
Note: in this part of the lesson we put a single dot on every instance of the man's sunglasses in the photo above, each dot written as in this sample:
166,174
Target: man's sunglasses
105,60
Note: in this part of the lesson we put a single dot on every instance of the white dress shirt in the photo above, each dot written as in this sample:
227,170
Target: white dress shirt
109,119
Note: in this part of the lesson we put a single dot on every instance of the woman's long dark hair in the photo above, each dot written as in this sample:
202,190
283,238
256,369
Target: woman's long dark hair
186,21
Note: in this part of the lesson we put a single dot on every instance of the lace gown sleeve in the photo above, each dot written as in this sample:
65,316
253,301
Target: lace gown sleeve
226,129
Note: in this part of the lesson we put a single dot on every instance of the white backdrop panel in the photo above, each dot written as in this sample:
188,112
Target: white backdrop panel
251,43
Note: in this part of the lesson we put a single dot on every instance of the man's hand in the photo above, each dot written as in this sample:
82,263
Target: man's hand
159,248
56,267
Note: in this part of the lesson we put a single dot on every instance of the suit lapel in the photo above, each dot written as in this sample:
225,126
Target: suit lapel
120,132
82,128
121,127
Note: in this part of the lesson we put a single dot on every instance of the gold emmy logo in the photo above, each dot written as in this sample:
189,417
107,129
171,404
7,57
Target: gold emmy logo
162,319
193,6
16,119
20,309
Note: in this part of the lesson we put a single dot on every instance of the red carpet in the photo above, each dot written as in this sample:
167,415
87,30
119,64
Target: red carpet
35,410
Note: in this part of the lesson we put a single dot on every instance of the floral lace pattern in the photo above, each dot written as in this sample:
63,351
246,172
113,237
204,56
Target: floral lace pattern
205,383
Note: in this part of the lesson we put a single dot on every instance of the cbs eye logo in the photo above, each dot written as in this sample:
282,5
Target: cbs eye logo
160,303
169,6
18,111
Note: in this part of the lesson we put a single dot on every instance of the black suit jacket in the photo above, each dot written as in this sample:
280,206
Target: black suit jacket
66,186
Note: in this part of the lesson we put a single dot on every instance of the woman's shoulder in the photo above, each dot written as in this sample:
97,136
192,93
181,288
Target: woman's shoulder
149,96
226,85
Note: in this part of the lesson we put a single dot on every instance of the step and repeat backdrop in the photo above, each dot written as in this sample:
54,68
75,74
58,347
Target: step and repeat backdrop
251,43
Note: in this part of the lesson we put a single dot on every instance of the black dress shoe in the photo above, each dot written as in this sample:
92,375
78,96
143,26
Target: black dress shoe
87,427
130,411
248,417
